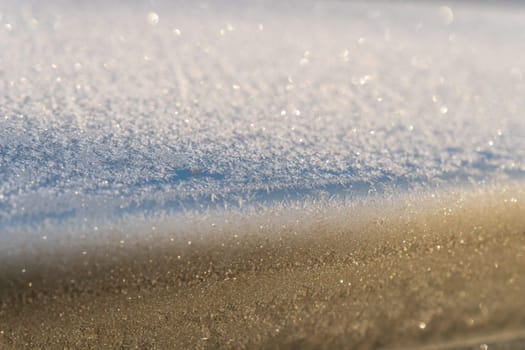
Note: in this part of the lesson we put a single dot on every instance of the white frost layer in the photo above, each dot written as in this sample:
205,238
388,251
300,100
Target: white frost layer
111,109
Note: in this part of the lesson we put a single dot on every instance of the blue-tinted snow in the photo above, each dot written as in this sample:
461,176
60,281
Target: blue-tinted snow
148,108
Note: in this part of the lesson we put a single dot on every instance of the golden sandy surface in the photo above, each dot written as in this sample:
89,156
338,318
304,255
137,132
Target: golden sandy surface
431,271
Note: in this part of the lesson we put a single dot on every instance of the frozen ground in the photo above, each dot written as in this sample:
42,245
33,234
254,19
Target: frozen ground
431,272
300,175
109,109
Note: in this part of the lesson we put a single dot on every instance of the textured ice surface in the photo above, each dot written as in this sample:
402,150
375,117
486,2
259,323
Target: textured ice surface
120,120
111,108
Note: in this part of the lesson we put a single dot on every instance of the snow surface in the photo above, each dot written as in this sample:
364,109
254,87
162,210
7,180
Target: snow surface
109,109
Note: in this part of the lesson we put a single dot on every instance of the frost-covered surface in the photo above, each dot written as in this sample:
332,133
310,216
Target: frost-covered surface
139,108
